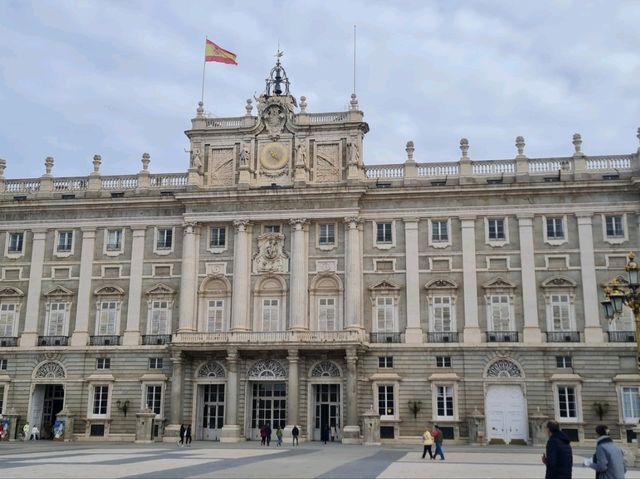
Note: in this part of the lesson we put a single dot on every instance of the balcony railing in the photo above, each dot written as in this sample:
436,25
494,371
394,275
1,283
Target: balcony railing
269,337
502,337
7,342
442,337
563,336
622,336
156,339
53,340
385,337
104,340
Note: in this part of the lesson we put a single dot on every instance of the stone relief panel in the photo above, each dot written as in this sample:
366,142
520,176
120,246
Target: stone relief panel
503,368
271,257
221,166
327,166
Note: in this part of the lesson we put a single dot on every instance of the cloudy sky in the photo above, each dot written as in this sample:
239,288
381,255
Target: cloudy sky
121,78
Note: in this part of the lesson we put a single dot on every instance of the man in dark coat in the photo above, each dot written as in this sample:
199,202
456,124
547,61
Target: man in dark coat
559,456
182,431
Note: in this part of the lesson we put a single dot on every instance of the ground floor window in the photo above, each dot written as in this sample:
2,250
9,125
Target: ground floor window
100,400
386,407
445,402
631,404
154,398
567,403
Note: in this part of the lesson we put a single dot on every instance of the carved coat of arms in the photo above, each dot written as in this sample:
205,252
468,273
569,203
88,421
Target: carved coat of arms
271,257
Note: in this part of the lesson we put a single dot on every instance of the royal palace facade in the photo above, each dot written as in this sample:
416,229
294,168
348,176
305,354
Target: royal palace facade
281,280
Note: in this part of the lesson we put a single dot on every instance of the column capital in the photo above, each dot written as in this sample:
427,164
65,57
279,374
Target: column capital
138,228
584,217
241,225
88,229
525,216
467,220
293,356
190,227
351,356
413,221
232,355
298,223
352,221
176,357
39,233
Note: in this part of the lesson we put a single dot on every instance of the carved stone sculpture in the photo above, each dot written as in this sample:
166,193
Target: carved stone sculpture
271,257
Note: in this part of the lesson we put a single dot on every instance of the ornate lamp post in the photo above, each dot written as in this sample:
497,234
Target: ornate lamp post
618,295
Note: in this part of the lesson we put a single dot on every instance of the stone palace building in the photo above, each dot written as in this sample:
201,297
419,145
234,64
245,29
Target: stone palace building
282,280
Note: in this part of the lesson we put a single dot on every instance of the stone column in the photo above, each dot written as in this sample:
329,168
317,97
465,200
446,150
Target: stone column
231,430
353,276
293,394
413,333
299,278
132,331
29,336
172,431
80,335
470,283
592,329
351,431
241,276
188,279
531,332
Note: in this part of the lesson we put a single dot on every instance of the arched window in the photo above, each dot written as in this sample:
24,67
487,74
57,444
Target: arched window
325,369
159,309
267,369
504,368
215,304
270,304
211,369
326,302
49,370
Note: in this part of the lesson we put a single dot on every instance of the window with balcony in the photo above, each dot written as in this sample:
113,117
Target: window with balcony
327,314
560,306
385,315
215,315
108,313
160,317
500,318
441,312
8,319
15,244
57,319
441,298
327,234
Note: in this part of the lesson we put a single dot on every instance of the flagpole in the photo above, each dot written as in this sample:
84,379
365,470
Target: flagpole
204,66
354,59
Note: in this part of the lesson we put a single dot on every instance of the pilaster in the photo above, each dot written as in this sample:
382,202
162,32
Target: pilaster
80,335
299,276
413,332
293,397
353,275
231,430
132,331
29,337
172,431
351,431
531,331
472,332
188,279
592,329
241,275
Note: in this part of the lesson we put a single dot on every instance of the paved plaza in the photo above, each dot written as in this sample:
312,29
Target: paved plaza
214,460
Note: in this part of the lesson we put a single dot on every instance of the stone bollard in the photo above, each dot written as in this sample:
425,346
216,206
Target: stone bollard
64,431
144,426
371,424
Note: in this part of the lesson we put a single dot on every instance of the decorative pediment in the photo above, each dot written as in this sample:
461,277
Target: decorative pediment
498,283
160,289
271,257
559,282
10,292
109,291
59,291
215,284
441,284
384,286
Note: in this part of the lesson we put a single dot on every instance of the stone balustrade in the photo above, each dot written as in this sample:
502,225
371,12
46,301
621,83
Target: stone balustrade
248,337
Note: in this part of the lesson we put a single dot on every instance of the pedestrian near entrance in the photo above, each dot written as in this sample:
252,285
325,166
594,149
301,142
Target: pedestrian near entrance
182,432
268,432
325,433
295,432
558,456
427,440
263,434
26,432
35,433
438,439
279,436
608,461
187,435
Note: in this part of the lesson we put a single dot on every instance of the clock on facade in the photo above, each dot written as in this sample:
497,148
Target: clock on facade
274,156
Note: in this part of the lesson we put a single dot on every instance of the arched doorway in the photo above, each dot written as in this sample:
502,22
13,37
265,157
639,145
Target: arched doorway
325,400
47,396
267,395
505,404
211,385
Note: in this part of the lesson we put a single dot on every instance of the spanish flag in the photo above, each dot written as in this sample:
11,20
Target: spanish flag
213,53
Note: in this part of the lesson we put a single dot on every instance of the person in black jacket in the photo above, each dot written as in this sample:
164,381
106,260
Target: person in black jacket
559,456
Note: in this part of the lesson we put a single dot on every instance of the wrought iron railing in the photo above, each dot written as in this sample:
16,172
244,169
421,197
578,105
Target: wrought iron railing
104,340
442,337
8,341
156,339
563,336
385,337
502,337
53,340
622,336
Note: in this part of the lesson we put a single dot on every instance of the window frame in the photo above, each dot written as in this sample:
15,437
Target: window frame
393,387
218,309
384,245
145,396
48,316
327,246
272,308
491,326
496,242
15,254
216,249
562,363
439,243
550,311
163,250
326,298
103,364
577,391
554,241
107,250
98,320
385,362
56,247
433,306
392,306
436,383
624,419
168,309
158,363
625,229
441,362
92,397
15,319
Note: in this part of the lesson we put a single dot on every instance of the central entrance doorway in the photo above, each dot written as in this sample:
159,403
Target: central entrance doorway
212,411
327,411
46,403
506,413
268,406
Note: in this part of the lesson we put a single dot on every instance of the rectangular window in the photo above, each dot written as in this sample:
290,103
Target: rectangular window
327,314
443,361
8,316
103,363
100,400
385,315
218,237
271,315
3,364
439,230
215,315
155,363
165,238
385,361
57,319
154,398
442,320
385,401
65,241
560,312
107,319
445,401
384,233
555,229
160,317
114,240
327,234
567,402
615,226
631,404
496,229
500,312
563,362
272,228
16,243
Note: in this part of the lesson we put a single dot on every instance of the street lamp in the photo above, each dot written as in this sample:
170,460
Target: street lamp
618,295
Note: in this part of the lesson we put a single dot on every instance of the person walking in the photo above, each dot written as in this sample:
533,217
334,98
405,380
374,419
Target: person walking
295,432
608,461
187,436
427,440
279,436
35,433
325,433
263,435
182,432
438,440
268,432
558,456
25,432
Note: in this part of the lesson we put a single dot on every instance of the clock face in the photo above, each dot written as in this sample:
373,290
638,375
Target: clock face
274,156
